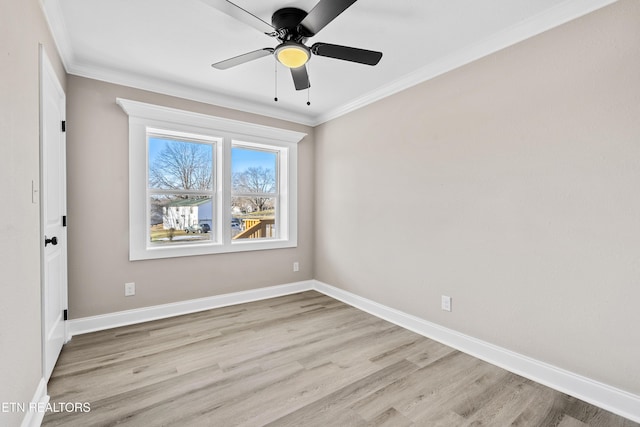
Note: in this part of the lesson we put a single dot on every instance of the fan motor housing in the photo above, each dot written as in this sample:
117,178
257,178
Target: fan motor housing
287,19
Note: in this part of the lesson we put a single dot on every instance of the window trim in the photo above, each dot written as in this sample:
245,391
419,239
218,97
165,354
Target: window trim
143,116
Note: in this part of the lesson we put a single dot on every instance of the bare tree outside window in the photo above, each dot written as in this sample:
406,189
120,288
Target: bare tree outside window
181,190
254,197
181,166
256,181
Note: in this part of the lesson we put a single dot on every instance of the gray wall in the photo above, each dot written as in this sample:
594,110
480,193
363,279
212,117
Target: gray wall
98,200
510,184
22,29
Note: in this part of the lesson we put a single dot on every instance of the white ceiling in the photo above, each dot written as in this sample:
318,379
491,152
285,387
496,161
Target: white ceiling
168,46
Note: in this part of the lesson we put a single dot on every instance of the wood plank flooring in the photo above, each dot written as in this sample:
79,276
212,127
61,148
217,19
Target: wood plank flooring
299,360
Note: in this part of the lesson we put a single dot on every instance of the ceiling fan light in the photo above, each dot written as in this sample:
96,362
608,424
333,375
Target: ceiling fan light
292,55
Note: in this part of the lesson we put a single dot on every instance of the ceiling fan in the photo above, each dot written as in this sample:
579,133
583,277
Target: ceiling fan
292,27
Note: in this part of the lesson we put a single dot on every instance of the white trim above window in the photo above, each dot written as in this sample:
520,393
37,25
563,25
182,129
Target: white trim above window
221,135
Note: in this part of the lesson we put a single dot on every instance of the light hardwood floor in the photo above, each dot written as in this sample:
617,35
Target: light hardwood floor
299,360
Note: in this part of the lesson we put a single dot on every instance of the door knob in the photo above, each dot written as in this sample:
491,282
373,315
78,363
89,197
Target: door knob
53,241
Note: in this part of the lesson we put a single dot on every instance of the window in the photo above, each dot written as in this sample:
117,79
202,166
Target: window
203,185
181,188
254,192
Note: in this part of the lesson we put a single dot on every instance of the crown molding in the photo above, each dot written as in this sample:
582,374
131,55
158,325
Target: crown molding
554,17
148,83
74,66
137,109
558,15
57,27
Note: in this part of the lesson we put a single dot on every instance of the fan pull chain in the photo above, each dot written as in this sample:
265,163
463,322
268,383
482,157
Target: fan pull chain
308,87
275,98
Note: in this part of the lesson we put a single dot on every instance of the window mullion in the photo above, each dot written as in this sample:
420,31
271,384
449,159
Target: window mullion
265,195
161,192
227,182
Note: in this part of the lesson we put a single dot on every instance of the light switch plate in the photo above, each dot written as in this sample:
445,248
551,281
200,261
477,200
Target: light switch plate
446,303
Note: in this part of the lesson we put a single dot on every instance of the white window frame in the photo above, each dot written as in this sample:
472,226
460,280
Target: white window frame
144,117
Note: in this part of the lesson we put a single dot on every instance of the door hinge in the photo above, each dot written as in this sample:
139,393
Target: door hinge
65,314
64,220
64,126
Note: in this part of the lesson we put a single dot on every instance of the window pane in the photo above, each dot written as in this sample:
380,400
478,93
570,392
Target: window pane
178,219
254,199
250,222
254,171
180,165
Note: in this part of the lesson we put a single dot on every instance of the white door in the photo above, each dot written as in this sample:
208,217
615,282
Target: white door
53,213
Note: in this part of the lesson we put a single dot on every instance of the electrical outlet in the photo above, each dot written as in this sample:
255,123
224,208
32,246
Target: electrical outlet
296,266
129,289
446,303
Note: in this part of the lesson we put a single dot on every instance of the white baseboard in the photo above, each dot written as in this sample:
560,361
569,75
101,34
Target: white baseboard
602,395
33,418
146,314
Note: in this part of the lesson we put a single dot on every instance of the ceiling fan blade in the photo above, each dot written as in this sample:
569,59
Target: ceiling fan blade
300,77
323,13
346,53
241,59
241,15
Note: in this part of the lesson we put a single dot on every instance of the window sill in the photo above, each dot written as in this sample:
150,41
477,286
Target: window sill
209,249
